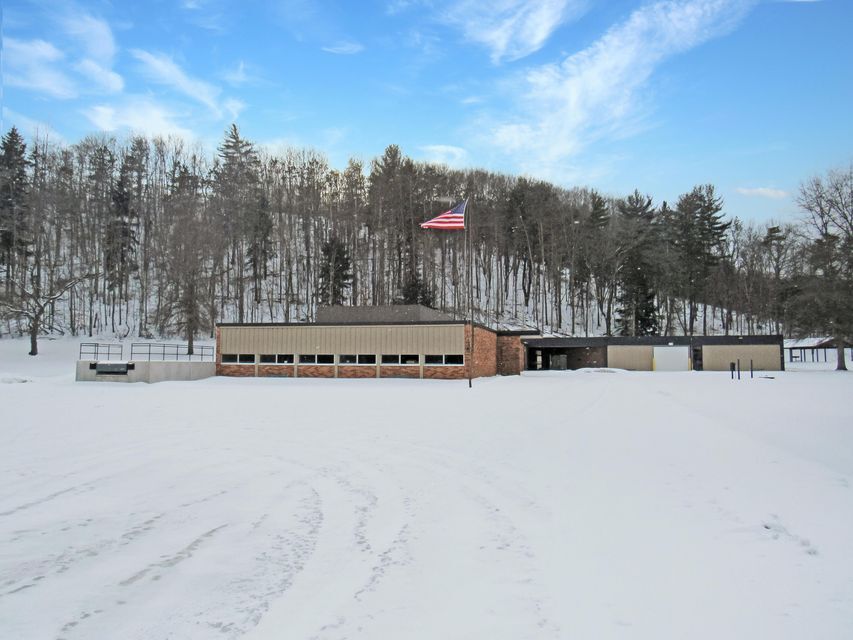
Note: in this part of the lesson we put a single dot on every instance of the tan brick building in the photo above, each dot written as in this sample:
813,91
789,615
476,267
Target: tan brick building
403,341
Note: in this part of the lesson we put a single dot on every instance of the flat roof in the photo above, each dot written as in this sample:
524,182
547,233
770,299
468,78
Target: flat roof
651,341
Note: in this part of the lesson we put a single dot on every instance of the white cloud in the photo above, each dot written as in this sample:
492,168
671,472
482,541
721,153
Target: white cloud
161,69
444,154
237,76
33,65
511,29
105,79
597,92
93,34
762,192
137,114
234,107
344,47
97,45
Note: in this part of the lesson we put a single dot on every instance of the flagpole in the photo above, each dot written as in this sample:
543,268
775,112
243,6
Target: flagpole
470,252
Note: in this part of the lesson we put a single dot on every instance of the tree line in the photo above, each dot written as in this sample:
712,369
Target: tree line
155,237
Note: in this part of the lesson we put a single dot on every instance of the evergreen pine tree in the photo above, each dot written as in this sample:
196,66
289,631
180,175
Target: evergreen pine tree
335,273
14,189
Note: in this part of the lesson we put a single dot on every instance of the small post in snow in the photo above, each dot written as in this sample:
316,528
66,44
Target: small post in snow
732,369
738,368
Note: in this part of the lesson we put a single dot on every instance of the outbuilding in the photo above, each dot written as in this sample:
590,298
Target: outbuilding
657,353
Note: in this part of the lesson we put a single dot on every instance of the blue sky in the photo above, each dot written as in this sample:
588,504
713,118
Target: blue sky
751,95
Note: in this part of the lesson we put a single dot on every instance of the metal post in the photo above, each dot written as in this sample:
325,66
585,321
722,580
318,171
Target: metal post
750,368
738,368
732,369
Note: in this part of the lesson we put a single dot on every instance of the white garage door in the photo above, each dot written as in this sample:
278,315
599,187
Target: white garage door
672,359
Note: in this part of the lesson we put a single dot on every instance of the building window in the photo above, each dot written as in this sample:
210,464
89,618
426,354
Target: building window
280,358
433,359
347,359
325,358
454,359
367,358
409,359
390,359
246,358
229,358
305,358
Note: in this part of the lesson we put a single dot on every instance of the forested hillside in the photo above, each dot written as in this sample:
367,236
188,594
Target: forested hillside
156,238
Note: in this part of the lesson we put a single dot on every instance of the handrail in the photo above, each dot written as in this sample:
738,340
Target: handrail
171,351
100,351
162,351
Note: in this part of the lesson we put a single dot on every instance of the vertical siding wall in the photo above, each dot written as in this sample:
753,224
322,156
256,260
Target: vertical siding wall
343,339
632,358
764,357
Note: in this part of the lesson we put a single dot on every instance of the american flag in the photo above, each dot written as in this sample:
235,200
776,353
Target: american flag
453,219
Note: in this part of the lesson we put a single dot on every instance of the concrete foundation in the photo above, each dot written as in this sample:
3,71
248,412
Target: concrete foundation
148,372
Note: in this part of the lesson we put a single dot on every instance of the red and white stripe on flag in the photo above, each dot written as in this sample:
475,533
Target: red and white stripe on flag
453,219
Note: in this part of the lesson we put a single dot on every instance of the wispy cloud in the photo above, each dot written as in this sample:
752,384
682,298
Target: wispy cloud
511,29
344,47
94,39
444,154
597,92
136,114
242,74
206,14
103,78
34,65
162,69
93,35
763,192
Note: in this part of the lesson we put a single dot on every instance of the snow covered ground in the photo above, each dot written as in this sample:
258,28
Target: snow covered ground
552,505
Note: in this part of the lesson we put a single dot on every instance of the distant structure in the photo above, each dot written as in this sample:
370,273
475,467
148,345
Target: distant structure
657,353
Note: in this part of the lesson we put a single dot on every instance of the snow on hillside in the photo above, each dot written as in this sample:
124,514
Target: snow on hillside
551,505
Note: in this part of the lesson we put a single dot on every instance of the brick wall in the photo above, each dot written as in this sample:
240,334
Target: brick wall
445,373
345,371
510,355
237,370
316,371
275,370
400,372
485,353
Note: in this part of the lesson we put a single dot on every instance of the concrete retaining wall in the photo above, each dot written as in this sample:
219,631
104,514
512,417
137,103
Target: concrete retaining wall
150,372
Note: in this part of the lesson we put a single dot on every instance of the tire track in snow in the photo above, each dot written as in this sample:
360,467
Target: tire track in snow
183,554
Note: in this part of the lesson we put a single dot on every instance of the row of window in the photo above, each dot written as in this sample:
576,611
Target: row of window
327,358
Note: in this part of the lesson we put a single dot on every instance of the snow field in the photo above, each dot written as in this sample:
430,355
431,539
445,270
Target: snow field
551,505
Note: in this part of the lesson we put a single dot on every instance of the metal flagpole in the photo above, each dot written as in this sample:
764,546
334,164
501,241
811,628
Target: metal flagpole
470,252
